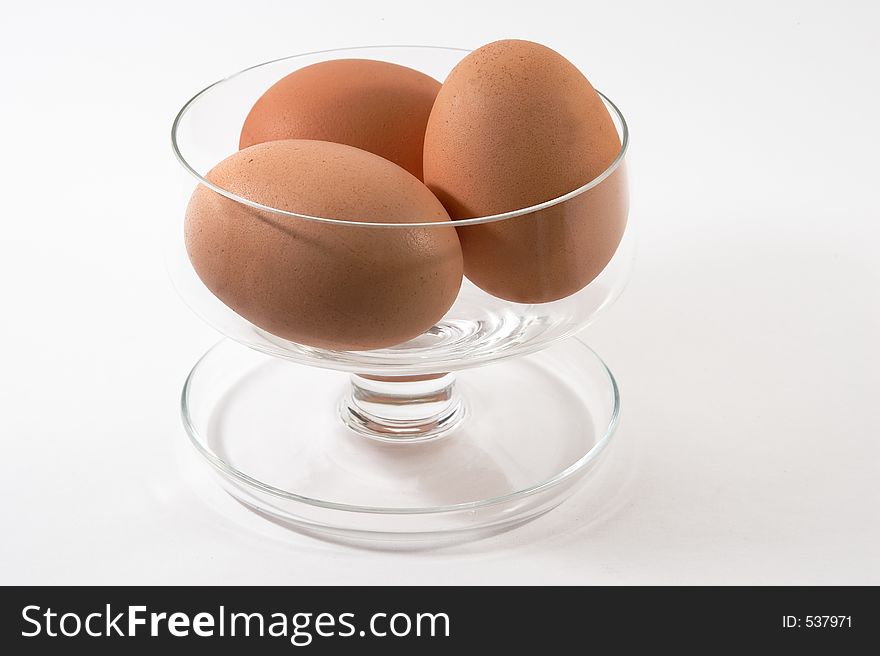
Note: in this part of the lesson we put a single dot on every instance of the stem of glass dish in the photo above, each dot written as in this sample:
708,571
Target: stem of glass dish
405,409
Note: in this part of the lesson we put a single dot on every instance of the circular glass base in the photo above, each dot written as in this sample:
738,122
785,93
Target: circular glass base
275,431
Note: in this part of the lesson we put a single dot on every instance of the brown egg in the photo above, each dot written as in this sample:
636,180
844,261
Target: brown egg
372,105
344,287
516,124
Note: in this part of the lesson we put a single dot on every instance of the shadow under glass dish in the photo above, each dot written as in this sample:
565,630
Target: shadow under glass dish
286,431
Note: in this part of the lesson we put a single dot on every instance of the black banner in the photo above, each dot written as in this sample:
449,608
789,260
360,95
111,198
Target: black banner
434,620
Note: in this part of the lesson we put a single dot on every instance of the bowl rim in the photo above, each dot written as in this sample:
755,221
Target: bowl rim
491,218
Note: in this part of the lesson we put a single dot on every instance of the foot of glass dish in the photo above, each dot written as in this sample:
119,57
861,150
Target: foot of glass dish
535,427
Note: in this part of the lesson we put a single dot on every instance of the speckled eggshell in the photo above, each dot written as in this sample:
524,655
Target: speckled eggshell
376,106
342,287
516,124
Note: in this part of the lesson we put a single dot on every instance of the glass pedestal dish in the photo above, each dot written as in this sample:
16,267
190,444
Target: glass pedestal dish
486,420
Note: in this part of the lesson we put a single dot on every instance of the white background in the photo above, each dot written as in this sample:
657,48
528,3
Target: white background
746,345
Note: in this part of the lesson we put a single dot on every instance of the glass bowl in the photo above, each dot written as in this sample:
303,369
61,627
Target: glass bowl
485,419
